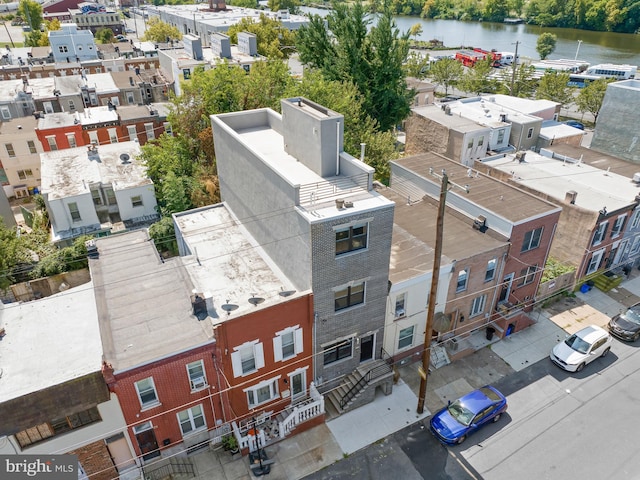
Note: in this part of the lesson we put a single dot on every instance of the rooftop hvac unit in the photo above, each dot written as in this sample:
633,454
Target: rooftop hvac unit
480,223
636,177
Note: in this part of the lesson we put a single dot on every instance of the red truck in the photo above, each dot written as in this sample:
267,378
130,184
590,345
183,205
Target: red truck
470,57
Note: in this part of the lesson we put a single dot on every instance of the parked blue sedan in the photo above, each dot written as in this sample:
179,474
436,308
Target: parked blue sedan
454,423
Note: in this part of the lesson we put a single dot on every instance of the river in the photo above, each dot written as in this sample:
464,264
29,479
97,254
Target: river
593,47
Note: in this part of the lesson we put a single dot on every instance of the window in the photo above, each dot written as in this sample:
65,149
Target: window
530,133
113,135
6,114
617,226
72,106
148,128
197,378
167,128
191,420
97,199
247,358
287,343
131,129
93,138
500,136
600,233
349,296
130,98
481,141
147,392
351,239
635,246
262,393
470,143
10,151
595,261
53,145
48,107
63,49
32,147
71,138
405,337
136,201
24,174
491,270
528,275
111,196
531,240
463,277
400,305
477,306
74,212
338,351
635,220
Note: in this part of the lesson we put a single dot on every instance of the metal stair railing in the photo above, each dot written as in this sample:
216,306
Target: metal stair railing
375,372
174,466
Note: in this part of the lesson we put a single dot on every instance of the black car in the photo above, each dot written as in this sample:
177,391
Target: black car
626,326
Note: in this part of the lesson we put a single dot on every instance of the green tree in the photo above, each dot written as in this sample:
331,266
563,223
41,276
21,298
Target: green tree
416,30
244,3
591,97
273,39
554,86
496,10
372,59
478,79
31,12
518,83
446,72
175,193
546,44
9,254
291,5
159,31
163,235
417,65
104,35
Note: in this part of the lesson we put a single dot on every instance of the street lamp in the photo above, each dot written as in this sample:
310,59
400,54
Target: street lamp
435,274
578,49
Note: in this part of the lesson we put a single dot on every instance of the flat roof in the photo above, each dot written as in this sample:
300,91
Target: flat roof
457,122
102,82
144,304
525,106
70,171
551,129
597,159
9,89
49,341
596,188
505,200
227,265
414,237
20,125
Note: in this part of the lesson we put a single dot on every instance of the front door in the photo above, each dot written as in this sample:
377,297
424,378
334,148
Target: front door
506,288
366,347
146,438
298,385
120,452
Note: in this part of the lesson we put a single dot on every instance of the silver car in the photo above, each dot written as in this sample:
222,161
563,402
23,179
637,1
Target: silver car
581,348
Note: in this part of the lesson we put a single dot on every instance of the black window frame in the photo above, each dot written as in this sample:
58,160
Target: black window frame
530,242
351,238
351,299
337,351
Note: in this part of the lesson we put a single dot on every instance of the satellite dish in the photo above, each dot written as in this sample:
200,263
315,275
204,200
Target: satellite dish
229,307
256,301
125,157
286,293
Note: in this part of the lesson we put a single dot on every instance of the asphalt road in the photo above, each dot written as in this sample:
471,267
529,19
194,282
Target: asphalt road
559,426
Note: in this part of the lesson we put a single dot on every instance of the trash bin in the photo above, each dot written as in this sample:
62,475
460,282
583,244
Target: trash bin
510,329
490,332
585,288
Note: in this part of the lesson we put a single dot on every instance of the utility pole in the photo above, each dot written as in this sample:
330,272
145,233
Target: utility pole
433,293
7,28
578,49
515,66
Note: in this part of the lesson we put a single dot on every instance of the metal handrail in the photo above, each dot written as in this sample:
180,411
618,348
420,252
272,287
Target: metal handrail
174,466
375,372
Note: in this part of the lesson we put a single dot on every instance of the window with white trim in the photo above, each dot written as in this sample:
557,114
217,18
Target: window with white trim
32,147
600,233
93,138
168,129
263,392
401,300
350,239
24,174
531,240
48,107
501,136
133,134
53,145
287,343
463,278
349,296
405,337
130,98
616,230
72,106
74,212
477,306
148,128
635,220
197,377
6,113
635,246
113,135
594,263
191,420
71,138
491,270
247,358
136,201
146,390
10,150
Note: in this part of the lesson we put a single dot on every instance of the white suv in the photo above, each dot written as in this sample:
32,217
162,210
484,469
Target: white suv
581,348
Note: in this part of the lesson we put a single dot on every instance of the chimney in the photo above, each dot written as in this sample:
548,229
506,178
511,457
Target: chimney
570,197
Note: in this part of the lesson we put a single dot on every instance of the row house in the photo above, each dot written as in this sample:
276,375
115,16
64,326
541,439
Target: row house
61,405
92,17
102,126
463,301
96,190
70,44
497,286
597,206
314,210
20,157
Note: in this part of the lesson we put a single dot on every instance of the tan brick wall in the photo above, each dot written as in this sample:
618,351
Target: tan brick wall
424,135
96,461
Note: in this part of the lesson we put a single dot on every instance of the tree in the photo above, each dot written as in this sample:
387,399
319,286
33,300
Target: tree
31,11
591,97
163,235
346,50
554,86
521,79
417,65
416,30
291,5
496,10
446,72
546,44
273,39
159,31
9,254
478,79
104,35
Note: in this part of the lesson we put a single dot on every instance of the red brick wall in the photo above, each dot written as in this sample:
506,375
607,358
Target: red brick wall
96,461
